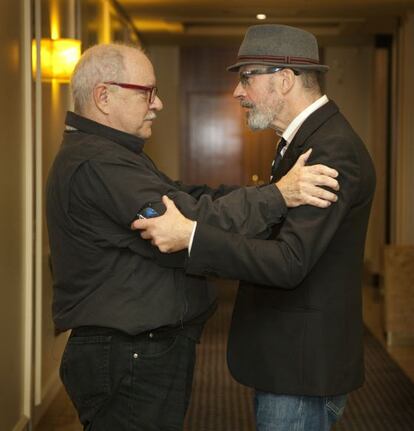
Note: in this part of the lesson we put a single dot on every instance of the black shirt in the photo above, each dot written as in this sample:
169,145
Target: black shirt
104,273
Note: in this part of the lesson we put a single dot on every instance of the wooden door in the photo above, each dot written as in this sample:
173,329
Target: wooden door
218,146
259,152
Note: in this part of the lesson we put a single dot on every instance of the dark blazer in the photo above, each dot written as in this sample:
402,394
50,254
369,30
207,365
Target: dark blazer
297,323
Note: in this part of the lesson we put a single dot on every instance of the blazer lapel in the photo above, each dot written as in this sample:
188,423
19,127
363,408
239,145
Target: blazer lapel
296,147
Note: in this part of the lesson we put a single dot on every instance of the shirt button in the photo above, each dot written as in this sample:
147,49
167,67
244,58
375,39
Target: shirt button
135,355
151,335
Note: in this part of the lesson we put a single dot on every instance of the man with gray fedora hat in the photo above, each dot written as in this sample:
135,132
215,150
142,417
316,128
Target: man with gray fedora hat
296,335
279,45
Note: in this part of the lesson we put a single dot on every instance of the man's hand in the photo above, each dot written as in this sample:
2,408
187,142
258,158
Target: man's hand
169,232
302,184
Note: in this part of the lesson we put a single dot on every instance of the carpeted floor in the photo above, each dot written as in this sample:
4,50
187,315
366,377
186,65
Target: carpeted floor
385,403
218,402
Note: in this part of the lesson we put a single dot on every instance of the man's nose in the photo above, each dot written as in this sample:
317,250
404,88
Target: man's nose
156,105
239,91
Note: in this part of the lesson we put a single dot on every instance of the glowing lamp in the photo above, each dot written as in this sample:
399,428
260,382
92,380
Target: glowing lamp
58,58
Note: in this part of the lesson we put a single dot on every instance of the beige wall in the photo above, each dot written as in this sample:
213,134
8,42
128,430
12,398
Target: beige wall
403,187
11,215
165,144
54,101
349,84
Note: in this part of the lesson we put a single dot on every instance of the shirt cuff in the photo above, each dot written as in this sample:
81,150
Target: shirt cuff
190,244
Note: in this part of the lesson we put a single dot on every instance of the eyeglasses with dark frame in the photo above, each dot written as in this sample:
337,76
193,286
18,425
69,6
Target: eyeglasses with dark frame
152,90
246,74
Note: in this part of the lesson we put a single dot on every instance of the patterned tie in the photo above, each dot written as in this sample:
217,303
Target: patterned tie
279,156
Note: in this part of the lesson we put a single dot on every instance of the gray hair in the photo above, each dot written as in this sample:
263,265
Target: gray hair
100,63
311,80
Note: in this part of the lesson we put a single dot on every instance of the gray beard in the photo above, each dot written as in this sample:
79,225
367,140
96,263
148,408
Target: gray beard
259,120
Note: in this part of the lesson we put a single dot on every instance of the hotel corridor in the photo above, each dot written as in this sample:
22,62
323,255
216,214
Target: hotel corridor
201,136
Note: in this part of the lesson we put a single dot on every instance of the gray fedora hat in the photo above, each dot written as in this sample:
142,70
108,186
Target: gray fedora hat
279,45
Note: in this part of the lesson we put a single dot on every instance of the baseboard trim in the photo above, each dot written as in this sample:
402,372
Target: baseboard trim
398,339
22,425
51,389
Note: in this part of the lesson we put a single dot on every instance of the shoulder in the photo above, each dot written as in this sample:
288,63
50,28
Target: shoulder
97,150
338,139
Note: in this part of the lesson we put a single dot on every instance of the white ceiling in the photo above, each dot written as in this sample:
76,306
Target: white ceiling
183,20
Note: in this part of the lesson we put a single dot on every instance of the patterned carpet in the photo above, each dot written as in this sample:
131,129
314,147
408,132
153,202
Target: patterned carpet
385,403
218,402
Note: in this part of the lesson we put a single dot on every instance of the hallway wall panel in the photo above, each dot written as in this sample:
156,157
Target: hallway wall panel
164,146
11,215
402,192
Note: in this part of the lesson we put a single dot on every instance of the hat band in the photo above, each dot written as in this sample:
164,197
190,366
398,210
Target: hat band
285,59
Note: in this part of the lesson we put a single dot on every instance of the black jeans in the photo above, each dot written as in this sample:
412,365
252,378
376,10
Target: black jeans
125,383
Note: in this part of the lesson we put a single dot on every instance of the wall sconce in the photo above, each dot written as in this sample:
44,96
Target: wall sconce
58,58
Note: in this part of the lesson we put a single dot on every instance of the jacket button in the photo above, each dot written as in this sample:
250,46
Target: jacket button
135,355
151,335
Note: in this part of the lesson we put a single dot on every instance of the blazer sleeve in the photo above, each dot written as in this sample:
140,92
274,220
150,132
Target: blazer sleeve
302,239
198,190
250,211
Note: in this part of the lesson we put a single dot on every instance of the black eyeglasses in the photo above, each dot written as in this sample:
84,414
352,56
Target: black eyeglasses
246,74
151,90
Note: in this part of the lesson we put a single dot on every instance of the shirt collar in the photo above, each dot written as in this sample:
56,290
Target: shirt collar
295,124
83,124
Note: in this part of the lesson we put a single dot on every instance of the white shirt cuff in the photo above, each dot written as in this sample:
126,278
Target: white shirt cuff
190,244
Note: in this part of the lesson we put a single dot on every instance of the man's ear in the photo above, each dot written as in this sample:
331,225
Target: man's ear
101,98
288,80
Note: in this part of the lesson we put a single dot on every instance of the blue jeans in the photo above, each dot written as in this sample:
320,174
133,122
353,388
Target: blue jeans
297,413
